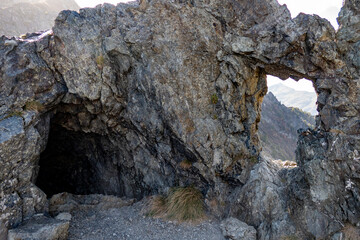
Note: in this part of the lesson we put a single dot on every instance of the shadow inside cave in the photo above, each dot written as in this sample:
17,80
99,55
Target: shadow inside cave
76,162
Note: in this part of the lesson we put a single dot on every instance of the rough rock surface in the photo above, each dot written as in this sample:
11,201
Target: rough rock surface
40,227
68,203
234,229
137,89
3,231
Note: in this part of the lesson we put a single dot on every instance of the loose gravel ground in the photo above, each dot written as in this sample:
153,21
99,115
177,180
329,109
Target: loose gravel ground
130,223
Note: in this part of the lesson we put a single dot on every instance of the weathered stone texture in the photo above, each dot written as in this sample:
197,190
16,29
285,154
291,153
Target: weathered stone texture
134,90
234,229
40,227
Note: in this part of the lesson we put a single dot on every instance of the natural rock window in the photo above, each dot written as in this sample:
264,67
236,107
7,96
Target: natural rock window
153,101
284,111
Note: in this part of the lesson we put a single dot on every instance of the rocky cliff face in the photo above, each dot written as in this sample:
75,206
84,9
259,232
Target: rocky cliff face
118,100
278,128
23,16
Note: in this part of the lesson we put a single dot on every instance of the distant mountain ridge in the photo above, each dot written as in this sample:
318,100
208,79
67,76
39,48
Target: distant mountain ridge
25,16
304,100
278,128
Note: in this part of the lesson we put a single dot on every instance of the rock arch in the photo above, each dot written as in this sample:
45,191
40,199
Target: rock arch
165,82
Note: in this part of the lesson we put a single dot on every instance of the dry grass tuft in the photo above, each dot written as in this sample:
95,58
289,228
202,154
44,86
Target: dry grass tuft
214,99
34,106
100,61
182,204
185,164
157,207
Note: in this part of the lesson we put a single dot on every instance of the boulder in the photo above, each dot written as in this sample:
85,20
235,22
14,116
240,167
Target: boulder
3,231
40,227
64,216
63,204
234,229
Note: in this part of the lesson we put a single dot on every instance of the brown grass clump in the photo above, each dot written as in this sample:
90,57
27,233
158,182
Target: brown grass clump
214,99
185,164
157,206
182,204
100,61
34,106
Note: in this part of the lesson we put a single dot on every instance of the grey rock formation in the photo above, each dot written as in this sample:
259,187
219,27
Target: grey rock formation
40,227
234,229
3,231
116,98
65,203
263,197
64,216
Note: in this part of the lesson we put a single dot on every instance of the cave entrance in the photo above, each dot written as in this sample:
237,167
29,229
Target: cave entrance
288,106
78,163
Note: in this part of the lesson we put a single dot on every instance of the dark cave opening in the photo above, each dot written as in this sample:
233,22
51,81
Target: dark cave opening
76,162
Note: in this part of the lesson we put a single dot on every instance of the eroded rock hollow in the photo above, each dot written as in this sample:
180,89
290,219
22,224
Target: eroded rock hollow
133,99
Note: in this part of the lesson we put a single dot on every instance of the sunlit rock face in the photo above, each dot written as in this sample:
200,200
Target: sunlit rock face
133,99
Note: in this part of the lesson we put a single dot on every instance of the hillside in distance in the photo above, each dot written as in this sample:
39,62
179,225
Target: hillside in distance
24,16
304,100
278,128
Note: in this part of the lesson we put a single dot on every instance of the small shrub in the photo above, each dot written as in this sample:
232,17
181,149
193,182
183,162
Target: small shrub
100,60
214,99
185,204
34,106
182,204
185,164
215,117
157,207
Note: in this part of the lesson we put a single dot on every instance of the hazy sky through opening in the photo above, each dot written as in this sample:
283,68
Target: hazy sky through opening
328,9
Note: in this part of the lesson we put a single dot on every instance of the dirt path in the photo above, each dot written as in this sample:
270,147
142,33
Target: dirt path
130,223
